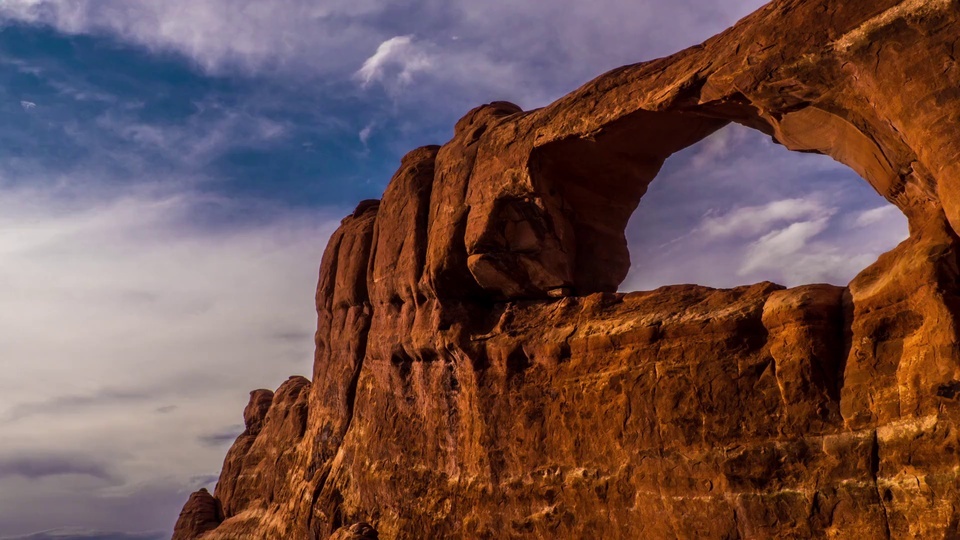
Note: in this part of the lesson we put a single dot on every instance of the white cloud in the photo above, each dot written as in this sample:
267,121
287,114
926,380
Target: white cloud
878,215
717,147
531,52
198,139
117,308
398,58
751,220
366,132
772,248
28,105
217,34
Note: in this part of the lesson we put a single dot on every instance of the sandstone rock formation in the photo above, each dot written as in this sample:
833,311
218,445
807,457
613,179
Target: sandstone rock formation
478,376
202,513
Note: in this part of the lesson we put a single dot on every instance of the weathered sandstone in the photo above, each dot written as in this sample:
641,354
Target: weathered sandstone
478,376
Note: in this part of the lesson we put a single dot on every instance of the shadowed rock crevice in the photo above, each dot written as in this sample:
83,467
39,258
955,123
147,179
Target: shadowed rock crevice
467,384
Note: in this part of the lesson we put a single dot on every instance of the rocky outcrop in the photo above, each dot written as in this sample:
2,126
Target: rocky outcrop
202,513
478,376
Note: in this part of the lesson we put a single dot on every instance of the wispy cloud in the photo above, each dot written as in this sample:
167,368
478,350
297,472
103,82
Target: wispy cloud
877,215
366,133
398,59
199,138
523,51
771,250
77,533
223,438
117,306
35,466
751,220
73,404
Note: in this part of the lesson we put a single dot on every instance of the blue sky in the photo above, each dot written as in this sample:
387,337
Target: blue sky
170,172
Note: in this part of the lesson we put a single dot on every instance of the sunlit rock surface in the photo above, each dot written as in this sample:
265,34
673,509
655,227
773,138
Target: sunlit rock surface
477,375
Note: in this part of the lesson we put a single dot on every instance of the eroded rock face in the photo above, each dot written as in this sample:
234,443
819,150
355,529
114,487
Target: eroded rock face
202,513
477,375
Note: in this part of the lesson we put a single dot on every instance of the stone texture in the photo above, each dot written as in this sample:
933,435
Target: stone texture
202,513
357,531
478,376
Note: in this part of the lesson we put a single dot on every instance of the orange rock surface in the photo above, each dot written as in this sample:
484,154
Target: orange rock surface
478,376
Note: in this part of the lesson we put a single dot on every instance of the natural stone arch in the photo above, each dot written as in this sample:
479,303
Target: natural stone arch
704,405
560,225
535,225
597,182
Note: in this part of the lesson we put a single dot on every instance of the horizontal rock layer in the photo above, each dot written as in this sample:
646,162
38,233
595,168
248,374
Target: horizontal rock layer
477,375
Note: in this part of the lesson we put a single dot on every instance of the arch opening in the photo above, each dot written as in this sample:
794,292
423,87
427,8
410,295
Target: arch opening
731,206
737,208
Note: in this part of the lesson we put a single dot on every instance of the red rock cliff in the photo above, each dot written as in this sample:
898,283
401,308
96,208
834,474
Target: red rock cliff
477,375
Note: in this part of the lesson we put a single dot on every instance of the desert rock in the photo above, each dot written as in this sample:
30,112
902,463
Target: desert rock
477,374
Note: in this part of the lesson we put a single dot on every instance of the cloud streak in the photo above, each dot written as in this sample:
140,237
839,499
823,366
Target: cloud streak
118,307
770,250
398,58
42,466
222,439
751,220
72,404
530,51
74,533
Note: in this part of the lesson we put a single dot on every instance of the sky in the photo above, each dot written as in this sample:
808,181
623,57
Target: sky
170,173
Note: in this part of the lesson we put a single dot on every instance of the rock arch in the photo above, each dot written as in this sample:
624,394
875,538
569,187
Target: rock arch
552,208
443,406
551,190
596,182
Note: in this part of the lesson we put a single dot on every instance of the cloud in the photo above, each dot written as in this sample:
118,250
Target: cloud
71,404
147,284
771,249
75,533
801,253
366,132
118,305
80,504
28,105
222,438
398,58
197,139
751,220
36,465
878,215
500,49
216,34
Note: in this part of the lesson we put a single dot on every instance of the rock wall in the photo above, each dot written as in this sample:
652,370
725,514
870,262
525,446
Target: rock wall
477,375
